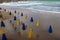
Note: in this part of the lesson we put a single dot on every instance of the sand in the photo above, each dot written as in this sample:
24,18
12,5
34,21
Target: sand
46,19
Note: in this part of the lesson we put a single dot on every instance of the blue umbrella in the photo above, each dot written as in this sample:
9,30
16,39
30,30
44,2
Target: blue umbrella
2,24
50,29
21,14
15,11
0,8
23,26
4,9
4,37
15,18
10,13
0,16
31,20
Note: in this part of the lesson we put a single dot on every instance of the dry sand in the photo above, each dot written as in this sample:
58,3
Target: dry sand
45,18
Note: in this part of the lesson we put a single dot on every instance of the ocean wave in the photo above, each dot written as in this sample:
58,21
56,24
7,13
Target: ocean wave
53,6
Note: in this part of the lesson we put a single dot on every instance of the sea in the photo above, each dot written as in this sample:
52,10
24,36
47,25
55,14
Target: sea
39,5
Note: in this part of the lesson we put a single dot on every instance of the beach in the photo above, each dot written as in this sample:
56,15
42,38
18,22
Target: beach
45,18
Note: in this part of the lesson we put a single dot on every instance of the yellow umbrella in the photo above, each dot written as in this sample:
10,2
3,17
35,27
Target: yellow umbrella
38,23
18,22
12,15
3,30
1,20
25,16
30,35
